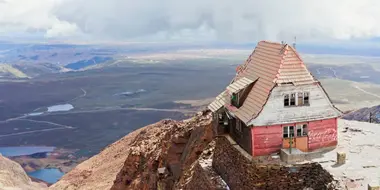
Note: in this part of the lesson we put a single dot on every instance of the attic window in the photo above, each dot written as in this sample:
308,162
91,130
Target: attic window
286,100
300,98
296,99
306,98
293,99
235,99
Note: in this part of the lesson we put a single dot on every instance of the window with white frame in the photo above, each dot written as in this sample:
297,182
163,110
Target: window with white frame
306,98
300,98
288,131
286,100
296,99
292,99
301,130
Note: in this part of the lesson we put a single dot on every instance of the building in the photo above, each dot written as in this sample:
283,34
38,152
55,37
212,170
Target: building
274,102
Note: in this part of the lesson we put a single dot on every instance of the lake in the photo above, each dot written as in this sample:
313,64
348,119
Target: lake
50,175
24,150
61,107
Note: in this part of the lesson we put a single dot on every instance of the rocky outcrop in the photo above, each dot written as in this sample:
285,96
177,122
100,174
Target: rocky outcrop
172,146
99,172
13,177
364,115
133,161
201,174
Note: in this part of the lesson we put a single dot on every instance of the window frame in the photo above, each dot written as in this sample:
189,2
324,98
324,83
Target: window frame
298,98
306,95
289,134
286,98
294,98
235,102
304,129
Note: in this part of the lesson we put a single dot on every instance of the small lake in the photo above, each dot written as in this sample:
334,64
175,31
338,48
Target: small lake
24,150
61,107
50,175
35,113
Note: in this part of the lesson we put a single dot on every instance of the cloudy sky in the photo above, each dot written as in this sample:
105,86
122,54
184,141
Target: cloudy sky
192,20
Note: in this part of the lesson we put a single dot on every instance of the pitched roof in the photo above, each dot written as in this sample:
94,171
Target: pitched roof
272,64
240,84
218,103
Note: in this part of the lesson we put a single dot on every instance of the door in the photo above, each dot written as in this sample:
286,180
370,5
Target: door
295,137
301,139
288,137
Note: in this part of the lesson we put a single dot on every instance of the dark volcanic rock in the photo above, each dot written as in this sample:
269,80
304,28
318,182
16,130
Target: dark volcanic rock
364,114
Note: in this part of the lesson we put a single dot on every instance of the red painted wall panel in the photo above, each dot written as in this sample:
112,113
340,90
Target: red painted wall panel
268,139
322,133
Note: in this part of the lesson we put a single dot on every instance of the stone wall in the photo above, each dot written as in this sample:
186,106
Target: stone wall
240,171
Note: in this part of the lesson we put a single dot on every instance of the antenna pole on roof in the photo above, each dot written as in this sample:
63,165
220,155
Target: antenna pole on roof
295,42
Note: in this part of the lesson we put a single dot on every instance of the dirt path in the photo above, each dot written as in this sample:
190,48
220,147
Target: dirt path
35,131
372,94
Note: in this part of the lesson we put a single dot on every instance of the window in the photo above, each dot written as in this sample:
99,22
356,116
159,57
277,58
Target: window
300,99
293,99
304,129
235,99
220,118
306,98
288,131
296,99
238,126
301,130
286,100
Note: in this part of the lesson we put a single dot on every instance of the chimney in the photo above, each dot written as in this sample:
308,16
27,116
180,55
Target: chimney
295,41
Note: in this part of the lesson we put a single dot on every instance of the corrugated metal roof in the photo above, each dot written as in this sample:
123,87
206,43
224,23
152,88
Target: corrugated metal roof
272,64
218,103
239,84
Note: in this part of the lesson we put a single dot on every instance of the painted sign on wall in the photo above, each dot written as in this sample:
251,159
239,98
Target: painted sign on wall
323,136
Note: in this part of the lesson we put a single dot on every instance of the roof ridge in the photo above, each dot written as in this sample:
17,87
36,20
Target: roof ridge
276,43
284,54
302,62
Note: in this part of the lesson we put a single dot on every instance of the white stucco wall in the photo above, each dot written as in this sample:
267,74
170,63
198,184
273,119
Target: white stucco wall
274,111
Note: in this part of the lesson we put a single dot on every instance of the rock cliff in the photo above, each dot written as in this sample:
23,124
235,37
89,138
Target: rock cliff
13,177
184,155
133,161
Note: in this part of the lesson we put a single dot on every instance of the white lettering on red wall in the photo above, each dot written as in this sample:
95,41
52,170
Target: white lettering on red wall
323,136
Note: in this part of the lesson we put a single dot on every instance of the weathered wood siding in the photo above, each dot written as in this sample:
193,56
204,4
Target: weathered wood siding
242,138
268,139
274,111
322,133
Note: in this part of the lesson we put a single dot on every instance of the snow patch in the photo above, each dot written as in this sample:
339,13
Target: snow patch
361,143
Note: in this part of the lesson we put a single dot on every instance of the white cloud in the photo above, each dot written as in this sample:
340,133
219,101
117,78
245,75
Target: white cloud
240,20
